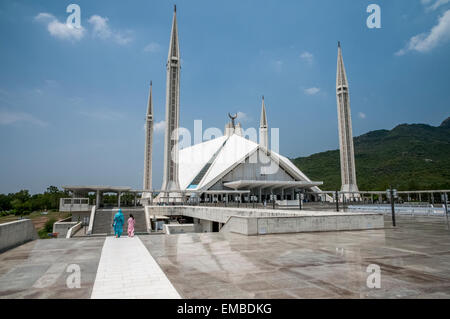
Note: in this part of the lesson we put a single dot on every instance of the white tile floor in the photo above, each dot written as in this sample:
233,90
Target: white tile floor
127,271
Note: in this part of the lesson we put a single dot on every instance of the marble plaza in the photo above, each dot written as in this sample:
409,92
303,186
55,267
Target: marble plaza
414,260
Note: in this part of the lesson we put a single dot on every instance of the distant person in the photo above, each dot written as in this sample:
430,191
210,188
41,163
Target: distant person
131,223
119,220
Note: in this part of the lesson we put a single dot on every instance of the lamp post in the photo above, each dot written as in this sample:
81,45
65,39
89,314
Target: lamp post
300,200
445,199
391,193
337,200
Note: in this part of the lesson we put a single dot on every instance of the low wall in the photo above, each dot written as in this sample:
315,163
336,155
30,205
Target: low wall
215,214
262,221
171,229
422,210
315,223
73,230
299,224
15,233
62,227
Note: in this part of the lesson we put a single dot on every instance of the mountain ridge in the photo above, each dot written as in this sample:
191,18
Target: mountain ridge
410,157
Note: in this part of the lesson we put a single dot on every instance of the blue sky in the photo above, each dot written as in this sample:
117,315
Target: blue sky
73,102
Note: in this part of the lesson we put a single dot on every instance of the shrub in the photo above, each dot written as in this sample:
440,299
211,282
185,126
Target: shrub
48,228
49,225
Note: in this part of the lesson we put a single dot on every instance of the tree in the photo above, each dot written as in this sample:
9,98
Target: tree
5,202
22,196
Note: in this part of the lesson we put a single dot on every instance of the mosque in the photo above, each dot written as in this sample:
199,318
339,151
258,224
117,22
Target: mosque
232,167
227,168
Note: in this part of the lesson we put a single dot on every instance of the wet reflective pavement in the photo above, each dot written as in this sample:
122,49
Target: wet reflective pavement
39,269
414,260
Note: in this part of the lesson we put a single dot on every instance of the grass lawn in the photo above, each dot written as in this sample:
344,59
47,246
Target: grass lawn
36,217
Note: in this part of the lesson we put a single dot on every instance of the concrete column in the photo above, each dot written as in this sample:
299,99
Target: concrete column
206,226
432,198
97,199
260,195
118,199
420,197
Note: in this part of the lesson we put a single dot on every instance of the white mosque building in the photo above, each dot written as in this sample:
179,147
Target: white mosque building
233,165
227,168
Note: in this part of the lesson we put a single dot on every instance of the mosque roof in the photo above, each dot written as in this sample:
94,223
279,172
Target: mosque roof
202,165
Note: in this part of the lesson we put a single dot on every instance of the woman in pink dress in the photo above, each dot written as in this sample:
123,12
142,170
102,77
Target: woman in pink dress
131,222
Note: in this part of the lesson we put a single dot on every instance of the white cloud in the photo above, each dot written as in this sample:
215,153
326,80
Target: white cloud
8,117
159,127
102,30
307,57
242,117
435,5
311,91
362,115
426,42
152,47
58,29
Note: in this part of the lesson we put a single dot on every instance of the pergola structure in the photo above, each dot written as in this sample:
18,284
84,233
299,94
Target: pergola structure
83,191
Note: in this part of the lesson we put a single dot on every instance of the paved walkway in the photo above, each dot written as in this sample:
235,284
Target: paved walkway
128,271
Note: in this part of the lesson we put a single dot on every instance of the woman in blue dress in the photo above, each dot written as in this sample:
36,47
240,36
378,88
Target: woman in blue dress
119,220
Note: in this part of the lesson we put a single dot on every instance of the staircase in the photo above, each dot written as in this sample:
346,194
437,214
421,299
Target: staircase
104,219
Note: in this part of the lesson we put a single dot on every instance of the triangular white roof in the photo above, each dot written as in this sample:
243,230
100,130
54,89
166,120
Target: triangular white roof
215,158
192,159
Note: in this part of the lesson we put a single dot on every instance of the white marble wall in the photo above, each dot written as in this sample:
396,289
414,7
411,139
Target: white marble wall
259,222
16,233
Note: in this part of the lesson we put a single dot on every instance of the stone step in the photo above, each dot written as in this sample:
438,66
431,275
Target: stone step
104,219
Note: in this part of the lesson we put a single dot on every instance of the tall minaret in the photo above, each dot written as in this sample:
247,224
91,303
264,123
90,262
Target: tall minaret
348,173
148,143
170,177
263,128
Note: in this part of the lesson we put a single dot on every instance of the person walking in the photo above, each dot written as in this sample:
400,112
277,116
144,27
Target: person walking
131,223
119,220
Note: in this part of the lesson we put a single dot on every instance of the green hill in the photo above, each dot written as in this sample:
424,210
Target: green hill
410,157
